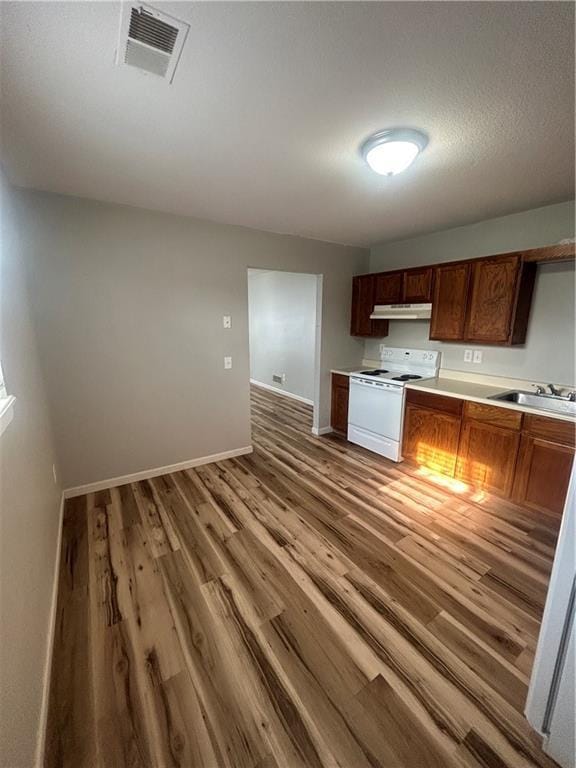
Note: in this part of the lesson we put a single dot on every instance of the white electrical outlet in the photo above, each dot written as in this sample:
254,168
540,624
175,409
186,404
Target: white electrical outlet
227,363
467,355
227,321
478,354
381,347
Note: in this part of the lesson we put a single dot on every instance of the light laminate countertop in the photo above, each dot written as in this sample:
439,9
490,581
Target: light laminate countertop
470,390
480,393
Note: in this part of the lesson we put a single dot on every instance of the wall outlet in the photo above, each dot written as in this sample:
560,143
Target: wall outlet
227,321
381,347
278,379
478,354
227,363
467,355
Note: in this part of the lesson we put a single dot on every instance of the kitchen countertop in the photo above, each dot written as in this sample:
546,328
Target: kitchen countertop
480,393
346,371
469,390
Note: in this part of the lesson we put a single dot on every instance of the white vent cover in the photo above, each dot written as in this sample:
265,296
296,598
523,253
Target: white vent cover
150,40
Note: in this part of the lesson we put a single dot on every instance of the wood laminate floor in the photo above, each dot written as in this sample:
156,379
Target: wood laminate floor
308,605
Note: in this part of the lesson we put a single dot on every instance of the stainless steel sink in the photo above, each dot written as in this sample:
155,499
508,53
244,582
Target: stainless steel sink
553,403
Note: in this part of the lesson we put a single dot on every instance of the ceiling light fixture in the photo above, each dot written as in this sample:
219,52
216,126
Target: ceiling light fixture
392,151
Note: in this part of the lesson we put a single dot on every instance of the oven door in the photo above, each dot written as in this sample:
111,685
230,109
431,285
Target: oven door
376,406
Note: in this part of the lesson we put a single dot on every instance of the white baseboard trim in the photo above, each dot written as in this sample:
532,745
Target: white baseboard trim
41,743
321,431
146,474
281,392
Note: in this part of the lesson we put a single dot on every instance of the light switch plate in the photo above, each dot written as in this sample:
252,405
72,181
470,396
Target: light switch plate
227,321
227,363
477,356
467,355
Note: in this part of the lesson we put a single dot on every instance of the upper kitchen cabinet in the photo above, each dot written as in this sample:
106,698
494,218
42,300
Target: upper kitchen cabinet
499,303
451,284
418,286
363,300
388,288
480,301
410,286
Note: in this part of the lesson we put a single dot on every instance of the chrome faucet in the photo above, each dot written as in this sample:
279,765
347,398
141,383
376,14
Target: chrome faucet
554,390
572,397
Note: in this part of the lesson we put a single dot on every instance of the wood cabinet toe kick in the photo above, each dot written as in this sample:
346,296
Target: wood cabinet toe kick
524,457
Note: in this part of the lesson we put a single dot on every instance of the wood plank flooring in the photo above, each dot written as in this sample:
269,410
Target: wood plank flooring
308,605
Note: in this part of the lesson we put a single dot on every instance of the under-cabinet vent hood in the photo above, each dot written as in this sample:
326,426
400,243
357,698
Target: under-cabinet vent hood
401,312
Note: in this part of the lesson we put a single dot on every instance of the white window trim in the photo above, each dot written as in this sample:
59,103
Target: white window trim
6,411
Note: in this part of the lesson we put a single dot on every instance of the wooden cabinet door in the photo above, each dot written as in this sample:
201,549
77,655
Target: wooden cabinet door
431,439
487,456
450,300
418,286
363,306
542,474
492,299
388,288
340,393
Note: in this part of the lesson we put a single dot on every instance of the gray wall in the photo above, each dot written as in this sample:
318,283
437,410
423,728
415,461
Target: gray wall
548,354
282,312
129,307
29,504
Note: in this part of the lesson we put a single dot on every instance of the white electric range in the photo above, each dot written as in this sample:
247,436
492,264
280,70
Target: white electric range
376,401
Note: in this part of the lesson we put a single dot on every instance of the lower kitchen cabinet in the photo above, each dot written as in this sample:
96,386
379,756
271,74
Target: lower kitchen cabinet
431,438
544,464
487,456
524,457
340,394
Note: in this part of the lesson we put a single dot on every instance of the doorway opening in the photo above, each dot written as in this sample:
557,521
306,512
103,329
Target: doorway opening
284,313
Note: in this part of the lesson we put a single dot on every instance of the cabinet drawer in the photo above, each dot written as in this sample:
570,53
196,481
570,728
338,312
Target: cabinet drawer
451,405
555,430
491,414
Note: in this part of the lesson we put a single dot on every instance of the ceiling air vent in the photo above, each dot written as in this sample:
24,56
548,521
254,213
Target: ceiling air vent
150,40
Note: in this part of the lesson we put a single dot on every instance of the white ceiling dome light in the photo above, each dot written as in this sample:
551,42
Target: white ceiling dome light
392,151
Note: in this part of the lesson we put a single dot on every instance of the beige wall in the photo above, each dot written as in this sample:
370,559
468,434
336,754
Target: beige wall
548,354
29,503
129,307
282,311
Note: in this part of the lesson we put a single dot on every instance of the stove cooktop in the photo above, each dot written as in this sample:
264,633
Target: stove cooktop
402,366
375,372
382,372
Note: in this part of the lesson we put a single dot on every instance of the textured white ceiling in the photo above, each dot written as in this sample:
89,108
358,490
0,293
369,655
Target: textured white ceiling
270,102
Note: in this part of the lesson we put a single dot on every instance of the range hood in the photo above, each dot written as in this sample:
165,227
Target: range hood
401,312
